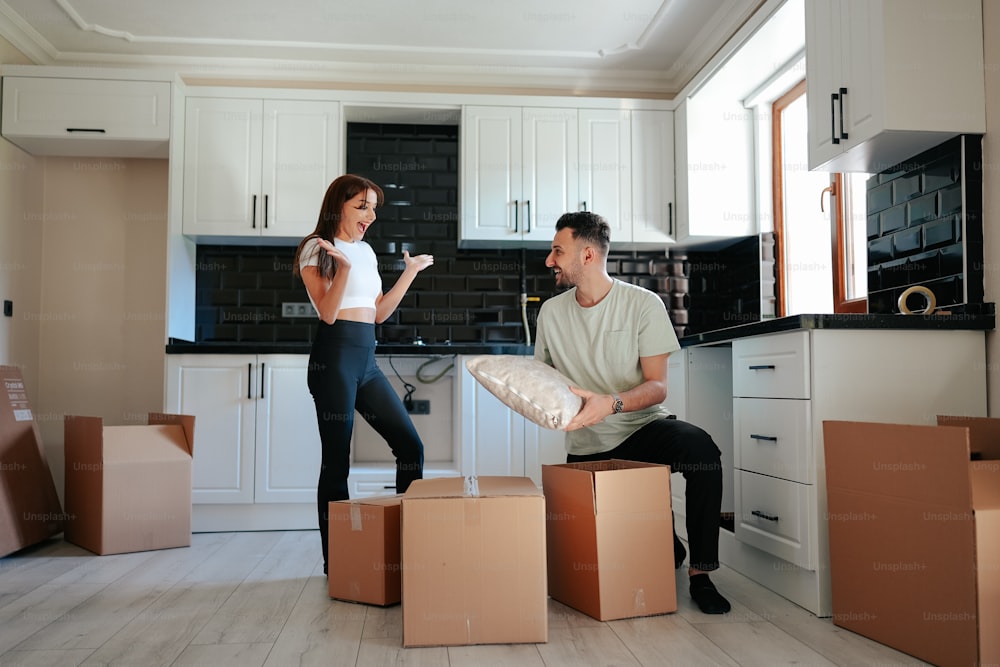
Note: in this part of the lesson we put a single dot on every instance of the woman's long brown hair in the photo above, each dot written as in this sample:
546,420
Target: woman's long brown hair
342,190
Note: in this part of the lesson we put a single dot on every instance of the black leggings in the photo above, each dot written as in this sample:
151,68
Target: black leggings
690,451
343,377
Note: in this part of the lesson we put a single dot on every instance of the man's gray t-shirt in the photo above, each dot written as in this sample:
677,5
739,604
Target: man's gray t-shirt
598,349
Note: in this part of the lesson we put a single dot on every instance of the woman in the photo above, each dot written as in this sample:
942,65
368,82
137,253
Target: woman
340,272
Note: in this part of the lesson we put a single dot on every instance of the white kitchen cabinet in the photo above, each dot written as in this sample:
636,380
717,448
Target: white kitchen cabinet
889,79
87,117
699,391
606,168
257,169
785,385
523,167
627,173
519,173
257,451
257,448
653,189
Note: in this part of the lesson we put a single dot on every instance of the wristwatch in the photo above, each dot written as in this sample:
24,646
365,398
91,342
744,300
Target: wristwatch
618,405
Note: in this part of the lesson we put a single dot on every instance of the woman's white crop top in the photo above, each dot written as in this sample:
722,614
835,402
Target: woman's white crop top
364,284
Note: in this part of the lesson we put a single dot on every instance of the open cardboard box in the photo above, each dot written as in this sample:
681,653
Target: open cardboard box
610,538
473,560
29,504
914,521
363,550
128,488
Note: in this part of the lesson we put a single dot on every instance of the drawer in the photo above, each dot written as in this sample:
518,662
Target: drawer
772,366
773,515
773,436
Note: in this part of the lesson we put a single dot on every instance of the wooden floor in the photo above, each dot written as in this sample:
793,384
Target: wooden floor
249,599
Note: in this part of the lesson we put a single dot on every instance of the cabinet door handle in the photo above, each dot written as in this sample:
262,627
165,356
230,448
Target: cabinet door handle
766,517
527,222
843,94
670,218
253,214
766,438
762,367
249,381
96,130
584,206
262,380
833,118
517,210
265,211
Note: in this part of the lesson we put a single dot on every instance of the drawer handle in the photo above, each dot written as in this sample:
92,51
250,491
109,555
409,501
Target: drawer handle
762,515
762,367
96,130
768,438
387,486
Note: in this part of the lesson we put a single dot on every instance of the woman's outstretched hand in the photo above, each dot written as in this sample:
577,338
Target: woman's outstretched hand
418,262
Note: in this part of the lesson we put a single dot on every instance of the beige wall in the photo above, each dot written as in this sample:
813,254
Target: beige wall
991,192
103,290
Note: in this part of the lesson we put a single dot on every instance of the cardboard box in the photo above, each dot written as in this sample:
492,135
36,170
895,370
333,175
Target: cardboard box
473,554
128,488
29,504
610,538
363,561
914,521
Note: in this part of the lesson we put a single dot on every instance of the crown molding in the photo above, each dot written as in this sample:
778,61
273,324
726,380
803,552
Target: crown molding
24,38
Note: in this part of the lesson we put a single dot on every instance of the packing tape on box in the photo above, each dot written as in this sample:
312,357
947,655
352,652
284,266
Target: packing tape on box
472,486
356,517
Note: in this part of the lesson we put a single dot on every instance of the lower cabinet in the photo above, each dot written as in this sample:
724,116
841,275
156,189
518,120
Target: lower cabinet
257,449
256,441
785,385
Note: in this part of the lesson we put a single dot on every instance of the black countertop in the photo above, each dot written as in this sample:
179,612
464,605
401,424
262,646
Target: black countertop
954,322
860,321
176,346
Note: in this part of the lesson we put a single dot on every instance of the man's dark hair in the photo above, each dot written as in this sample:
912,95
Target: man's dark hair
587,226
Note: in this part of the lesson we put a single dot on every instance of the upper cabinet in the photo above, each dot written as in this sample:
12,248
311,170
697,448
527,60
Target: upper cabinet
652,193
888,79
257,168
87,117
522,168
518,173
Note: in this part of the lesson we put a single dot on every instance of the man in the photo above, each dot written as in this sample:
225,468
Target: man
612,340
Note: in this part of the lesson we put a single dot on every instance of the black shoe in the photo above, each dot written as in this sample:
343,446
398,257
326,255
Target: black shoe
707,597
680,553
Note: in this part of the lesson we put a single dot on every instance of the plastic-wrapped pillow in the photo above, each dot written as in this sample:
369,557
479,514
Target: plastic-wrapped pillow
528,386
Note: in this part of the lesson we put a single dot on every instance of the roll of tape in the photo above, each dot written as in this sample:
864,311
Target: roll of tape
929,298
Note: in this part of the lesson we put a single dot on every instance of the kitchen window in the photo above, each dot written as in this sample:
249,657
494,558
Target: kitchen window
819,221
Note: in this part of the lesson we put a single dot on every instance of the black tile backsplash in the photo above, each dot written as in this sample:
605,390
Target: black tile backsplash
467,295
925,228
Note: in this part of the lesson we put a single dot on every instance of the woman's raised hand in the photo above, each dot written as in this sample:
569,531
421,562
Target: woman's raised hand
418,262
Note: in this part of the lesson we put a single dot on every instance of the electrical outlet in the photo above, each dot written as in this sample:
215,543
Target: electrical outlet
419,408
297,309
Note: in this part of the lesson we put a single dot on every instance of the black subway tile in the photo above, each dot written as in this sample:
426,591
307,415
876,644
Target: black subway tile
922,209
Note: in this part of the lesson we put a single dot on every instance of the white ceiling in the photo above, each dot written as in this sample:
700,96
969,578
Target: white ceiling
640,48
